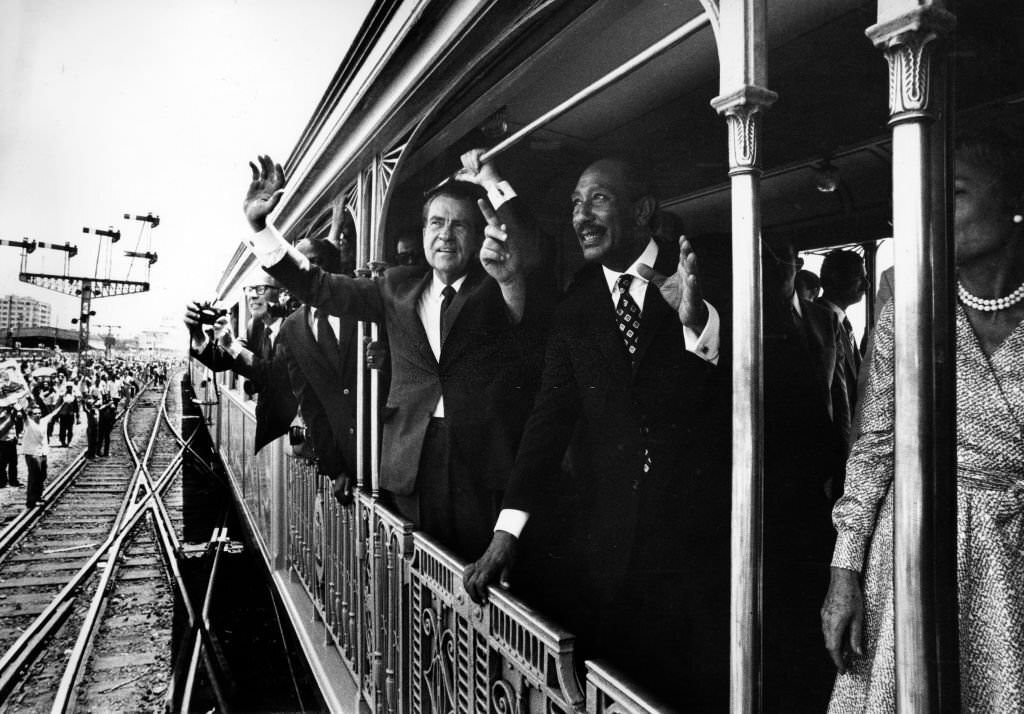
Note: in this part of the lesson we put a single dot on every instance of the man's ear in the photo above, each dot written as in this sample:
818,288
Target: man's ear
643,210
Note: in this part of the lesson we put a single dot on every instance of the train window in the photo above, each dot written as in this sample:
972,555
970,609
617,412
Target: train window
827,159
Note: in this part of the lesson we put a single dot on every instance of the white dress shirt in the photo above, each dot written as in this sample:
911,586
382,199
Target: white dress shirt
332,320
429,309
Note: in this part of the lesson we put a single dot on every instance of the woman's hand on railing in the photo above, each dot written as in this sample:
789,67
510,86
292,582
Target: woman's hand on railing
842,617
496,562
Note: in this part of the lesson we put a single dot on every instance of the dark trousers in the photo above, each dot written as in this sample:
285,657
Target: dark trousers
36,478
8,463
103,442
92,436
447,504
49,428
67,426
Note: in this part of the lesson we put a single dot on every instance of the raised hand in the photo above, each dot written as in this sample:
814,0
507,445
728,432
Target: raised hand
265,191
681,290
475,171
192,321
498,254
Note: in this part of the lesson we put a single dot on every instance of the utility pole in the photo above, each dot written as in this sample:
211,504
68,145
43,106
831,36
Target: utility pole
86,287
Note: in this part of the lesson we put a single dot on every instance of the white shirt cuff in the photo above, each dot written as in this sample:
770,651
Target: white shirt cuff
199,346
511,521
705,345
500,192
269,246
235,348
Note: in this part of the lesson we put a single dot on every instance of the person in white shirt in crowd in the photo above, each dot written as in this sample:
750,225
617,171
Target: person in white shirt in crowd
35,447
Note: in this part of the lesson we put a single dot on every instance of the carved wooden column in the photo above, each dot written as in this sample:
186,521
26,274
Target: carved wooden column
911,33
741,36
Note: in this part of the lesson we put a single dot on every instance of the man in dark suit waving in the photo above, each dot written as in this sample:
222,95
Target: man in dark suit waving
320,352
462,332
631,362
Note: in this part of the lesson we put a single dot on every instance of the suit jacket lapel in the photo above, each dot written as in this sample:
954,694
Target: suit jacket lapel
656,311
653,319
407,313
603,325
312,347
473,278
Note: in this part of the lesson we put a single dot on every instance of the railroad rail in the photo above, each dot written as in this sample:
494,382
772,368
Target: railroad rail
88,581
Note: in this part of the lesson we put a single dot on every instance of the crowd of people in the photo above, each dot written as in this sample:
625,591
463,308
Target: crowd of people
56,393
575,444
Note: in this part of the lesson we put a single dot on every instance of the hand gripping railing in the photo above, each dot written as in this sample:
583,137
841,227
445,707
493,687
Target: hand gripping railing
494,657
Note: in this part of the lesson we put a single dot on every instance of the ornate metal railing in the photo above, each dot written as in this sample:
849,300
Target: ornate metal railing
391,603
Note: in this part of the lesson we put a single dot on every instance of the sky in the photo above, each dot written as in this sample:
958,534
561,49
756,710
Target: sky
110,107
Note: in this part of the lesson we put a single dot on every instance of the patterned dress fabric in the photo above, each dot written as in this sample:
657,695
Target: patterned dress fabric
990,527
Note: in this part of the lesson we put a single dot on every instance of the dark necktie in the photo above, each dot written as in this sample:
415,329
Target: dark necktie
446,301
268,344
627,315
325,337
854,350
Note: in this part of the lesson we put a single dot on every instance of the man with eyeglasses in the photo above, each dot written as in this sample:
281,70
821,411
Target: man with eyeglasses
464,344
806,413
255,357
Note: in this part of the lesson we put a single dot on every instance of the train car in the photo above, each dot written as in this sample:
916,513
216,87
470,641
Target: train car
826,122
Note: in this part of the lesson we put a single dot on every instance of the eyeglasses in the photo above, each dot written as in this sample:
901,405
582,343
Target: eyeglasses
258,289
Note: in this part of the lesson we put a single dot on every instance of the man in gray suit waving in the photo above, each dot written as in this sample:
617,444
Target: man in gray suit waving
464,334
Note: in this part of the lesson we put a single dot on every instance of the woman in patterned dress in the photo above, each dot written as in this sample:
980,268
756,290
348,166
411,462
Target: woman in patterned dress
857,617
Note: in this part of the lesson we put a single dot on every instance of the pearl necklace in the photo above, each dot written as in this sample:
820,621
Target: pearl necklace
989,304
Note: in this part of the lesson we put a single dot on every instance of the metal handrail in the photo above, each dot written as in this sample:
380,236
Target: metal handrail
219,538
683,32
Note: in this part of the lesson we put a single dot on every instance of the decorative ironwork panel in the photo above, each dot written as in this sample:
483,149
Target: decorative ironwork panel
501,657
393,546
304,522
260,475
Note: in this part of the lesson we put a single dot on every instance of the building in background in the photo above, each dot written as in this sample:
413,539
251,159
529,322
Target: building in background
22,311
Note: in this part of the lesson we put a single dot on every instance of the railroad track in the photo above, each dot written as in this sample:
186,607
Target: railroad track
88,581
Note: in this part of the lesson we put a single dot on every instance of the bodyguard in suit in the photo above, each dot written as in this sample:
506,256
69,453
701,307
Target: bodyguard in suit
806,414
320,352
844,282
631,363
462,333
255,358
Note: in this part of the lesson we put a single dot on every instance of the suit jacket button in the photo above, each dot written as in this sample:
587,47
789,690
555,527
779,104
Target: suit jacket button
351,430
345,391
